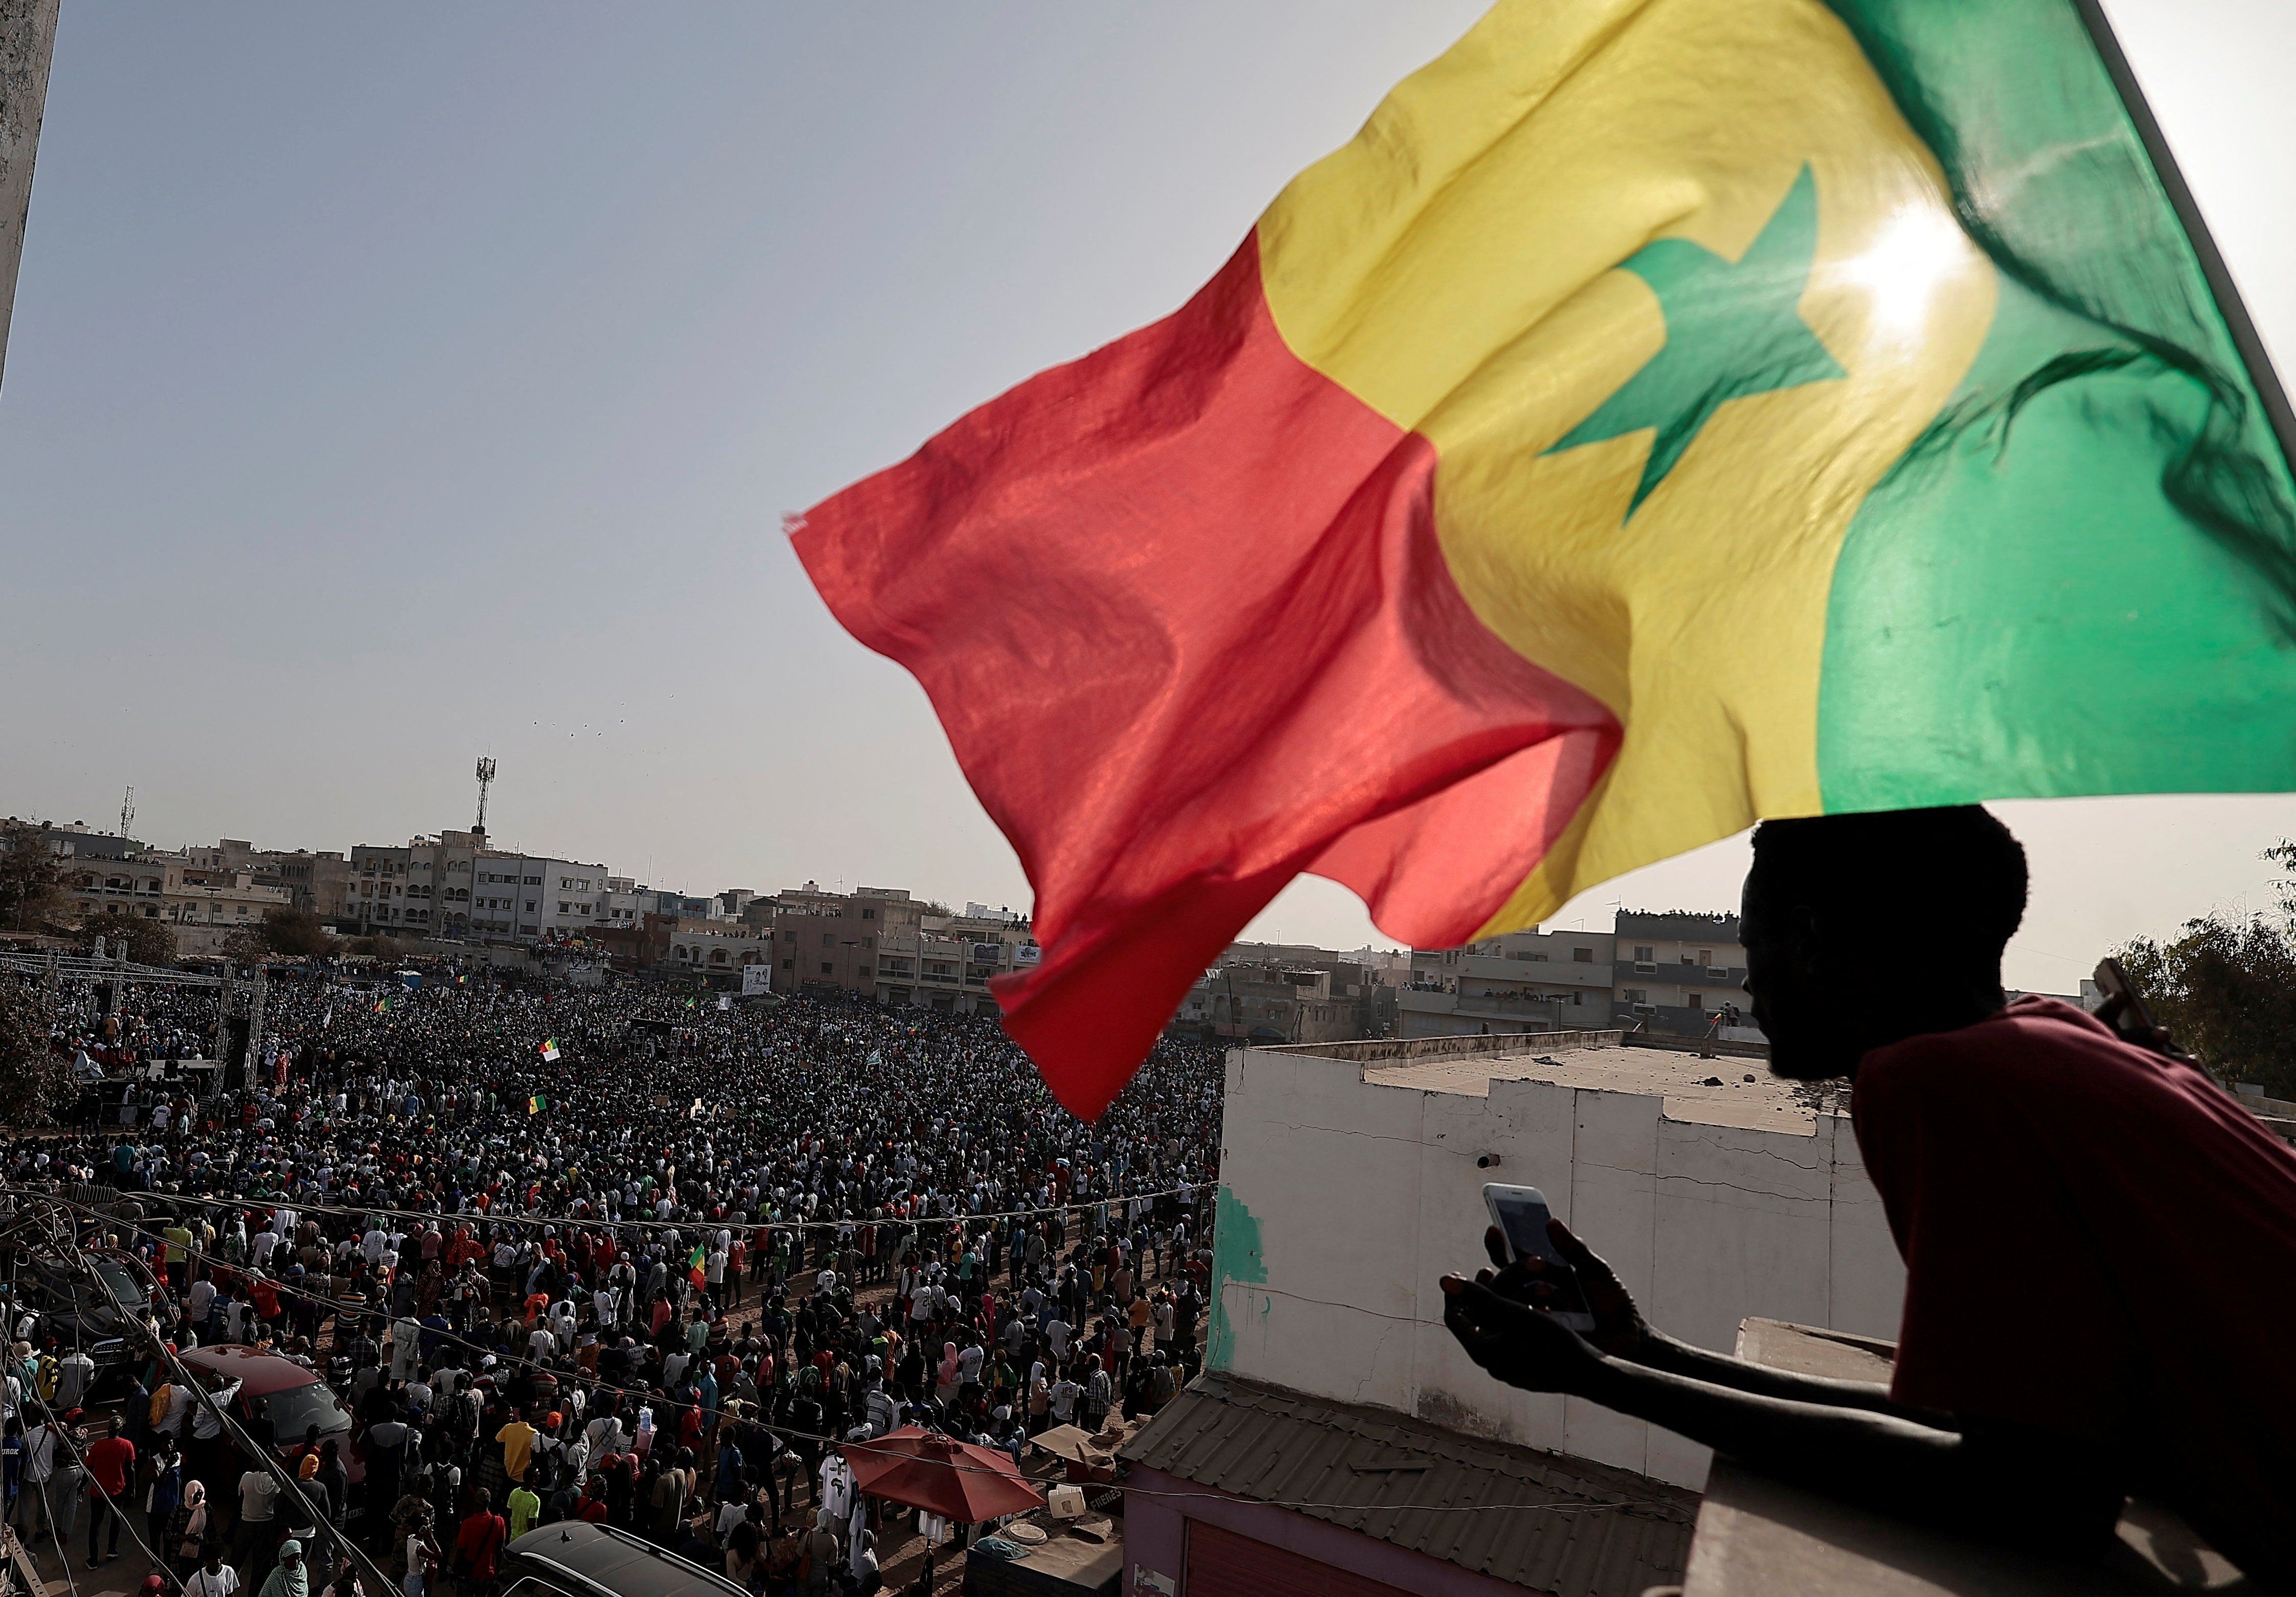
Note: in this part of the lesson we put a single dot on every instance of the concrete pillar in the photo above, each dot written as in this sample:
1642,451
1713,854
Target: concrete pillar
28,40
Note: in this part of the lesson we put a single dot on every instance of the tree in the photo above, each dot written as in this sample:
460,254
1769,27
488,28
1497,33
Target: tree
2226,989
148,941
297,934
31,876
36,1080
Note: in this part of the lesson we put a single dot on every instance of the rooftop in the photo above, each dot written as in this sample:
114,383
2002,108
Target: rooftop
1723,1091
1540,1519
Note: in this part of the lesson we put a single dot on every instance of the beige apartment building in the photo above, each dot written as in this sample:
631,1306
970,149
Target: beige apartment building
423,887
319,882
1673,971
945,963
833,940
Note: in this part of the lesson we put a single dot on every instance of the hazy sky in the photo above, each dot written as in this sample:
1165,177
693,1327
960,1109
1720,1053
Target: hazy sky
393,384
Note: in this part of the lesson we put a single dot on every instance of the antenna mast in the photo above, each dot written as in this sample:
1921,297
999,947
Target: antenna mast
486,779
127,812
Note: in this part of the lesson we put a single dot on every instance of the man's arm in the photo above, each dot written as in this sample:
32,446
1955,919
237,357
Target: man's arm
2009,1481
1620,1331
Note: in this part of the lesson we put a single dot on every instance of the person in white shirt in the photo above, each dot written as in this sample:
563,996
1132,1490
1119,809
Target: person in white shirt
75,1374
261,1248
179,1405
406,1347
214,1579
205,1426
604,1435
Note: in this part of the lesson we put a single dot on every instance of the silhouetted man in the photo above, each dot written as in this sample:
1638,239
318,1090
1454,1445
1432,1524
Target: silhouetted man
2100,1244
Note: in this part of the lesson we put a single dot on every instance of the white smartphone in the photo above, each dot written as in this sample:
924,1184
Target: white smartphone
1521,1213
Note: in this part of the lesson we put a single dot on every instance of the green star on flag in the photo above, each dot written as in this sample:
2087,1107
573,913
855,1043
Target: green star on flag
1732,328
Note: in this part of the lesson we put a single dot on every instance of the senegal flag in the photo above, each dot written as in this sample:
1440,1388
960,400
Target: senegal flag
693,1263
536,1104
549,1051
1665,414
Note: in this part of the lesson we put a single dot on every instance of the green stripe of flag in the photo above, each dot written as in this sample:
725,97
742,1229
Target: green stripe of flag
2082,579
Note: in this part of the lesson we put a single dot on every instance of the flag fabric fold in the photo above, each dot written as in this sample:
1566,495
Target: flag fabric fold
1665,414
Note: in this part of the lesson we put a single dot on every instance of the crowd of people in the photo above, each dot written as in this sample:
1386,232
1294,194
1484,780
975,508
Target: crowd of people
611,1254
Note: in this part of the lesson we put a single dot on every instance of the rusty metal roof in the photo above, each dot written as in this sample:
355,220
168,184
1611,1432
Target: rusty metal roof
1539,1519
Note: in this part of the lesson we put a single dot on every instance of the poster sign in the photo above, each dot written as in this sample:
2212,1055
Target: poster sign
757,979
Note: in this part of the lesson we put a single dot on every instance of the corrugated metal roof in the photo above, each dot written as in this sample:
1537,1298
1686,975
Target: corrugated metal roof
1539,1519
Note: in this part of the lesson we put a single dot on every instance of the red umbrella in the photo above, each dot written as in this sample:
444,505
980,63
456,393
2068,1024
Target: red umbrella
942,1476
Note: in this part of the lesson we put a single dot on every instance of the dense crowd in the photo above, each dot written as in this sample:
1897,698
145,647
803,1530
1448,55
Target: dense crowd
601,1253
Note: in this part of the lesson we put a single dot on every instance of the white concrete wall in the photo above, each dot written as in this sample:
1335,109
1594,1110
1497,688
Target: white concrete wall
1343,1202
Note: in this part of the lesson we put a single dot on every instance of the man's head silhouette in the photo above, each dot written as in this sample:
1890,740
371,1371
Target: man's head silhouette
1863,929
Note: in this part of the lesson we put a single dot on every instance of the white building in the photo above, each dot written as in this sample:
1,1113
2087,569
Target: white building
529,898
1352,1182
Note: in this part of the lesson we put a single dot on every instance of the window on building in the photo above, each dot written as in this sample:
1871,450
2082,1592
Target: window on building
1694,1000
788,964
530,906
829,939
827,969
868,914
1645,954
1637,995
1582,956
1706,957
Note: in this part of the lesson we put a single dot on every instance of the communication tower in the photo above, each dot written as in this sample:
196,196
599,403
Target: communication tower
486,779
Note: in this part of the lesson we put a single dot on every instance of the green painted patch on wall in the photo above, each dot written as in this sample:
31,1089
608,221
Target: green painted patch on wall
1235,1256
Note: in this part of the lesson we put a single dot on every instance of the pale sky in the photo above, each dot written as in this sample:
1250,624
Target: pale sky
391,385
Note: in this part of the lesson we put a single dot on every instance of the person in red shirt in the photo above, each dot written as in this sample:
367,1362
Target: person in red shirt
109,1457
479,1543
593,1506
2100,1243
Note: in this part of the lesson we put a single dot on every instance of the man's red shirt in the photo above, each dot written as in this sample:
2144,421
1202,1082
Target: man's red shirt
107,1464
2099,1242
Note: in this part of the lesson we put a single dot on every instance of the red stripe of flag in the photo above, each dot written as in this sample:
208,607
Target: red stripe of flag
1181,609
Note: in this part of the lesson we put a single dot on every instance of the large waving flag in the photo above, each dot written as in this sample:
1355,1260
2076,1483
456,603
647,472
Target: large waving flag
1665,414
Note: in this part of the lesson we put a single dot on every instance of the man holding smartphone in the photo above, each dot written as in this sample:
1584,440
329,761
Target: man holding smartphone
2100,1244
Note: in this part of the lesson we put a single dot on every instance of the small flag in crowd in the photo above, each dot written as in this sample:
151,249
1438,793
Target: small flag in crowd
535,1104
550,1051
382,1006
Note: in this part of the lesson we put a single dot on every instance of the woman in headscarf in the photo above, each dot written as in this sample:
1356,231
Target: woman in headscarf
945,1374
188,1530
288,1577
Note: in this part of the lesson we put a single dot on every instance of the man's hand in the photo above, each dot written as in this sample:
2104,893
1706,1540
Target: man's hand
1619,1328
1515,1343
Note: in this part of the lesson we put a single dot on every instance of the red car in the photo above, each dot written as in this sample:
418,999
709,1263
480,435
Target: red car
279,1400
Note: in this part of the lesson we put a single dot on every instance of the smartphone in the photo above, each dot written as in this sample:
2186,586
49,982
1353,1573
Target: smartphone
1521,1213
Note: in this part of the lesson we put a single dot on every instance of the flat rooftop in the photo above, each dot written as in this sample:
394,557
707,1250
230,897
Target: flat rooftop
1722,1091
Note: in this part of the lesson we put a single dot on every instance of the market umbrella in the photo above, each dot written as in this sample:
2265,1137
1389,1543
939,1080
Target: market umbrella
954,1479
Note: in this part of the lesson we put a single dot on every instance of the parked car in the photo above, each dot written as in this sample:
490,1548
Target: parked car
576,1559
61,1302
279,1400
